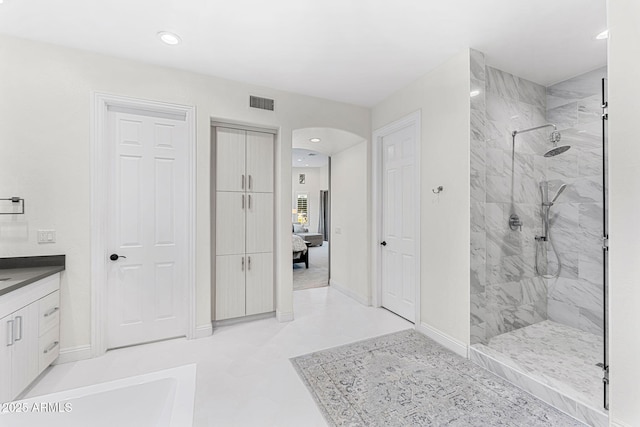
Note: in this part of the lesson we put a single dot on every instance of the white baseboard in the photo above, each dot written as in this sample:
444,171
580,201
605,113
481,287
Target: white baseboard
243,319
618,423
348,292
284,316
73,354
443,339
203,331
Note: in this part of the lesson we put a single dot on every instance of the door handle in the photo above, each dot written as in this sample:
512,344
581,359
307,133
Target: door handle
51,347
249,201
243,202
114,257
242,263
383,243
50,312
250,182
10,332
248,263
19,327
242,181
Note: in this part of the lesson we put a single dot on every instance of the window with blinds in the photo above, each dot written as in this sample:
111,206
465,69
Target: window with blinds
302,205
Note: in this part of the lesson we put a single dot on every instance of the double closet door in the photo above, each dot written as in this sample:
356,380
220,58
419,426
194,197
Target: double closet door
244,223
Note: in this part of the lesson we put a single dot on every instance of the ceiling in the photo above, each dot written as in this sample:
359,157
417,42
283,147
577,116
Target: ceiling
302,158
332,141
357,51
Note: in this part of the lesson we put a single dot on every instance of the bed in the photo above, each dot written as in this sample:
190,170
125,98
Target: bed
300,251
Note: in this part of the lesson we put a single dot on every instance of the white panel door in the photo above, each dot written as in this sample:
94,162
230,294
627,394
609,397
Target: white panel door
399,188
230,160
259,279
147,229
259,222
259,162
231,210
230,286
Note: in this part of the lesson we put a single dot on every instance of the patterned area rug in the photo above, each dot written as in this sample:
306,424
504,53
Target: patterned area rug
406,379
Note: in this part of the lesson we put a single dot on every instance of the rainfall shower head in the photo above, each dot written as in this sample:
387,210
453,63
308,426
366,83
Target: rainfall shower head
554,138
557,150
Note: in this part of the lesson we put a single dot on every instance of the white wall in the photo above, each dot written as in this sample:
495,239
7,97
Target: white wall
324,176
350,240
44,156
314,182
443,97
624,210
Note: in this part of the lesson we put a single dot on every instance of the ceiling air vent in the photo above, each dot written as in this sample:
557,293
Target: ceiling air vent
262,103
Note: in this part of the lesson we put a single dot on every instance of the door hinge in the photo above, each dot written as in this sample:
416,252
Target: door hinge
605,111
605,378
605,243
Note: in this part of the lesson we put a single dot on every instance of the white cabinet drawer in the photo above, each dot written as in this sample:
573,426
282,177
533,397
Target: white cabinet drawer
49,347
49,312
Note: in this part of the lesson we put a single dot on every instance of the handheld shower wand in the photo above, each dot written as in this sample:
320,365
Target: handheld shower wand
558,193
546,237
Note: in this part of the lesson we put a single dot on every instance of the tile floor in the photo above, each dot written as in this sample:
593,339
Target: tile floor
244,374
557,355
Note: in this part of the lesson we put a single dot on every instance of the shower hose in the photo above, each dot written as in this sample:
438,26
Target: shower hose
540,241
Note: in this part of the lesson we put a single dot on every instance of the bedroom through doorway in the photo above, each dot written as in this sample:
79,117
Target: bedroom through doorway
310,218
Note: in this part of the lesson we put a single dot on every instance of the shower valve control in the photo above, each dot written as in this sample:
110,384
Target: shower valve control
514,222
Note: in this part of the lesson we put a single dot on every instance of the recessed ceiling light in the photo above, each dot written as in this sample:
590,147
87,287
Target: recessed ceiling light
603,35
169,38
474,93
299,160
307,164
315,140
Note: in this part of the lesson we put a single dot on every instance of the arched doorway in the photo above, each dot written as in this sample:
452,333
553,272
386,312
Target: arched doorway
345,223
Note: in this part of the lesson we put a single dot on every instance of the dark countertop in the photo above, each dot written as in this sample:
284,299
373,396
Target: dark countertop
21,271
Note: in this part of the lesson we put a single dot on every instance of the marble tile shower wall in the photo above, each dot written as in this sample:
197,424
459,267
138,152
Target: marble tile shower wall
506,294
575,298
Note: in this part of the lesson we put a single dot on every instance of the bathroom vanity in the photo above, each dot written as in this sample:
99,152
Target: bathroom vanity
29,320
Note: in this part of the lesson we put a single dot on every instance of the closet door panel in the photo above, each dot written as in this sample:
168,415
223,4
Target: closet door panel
230,160
230,286
7,341
259,222
259,162
24,364
259,283
230,223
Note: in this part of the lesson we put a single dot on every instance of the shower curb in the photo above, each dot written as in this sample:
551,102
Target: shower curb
578,410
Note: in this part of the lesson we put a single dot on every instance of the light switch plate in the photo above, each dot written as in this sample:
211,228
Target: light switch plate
46,236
